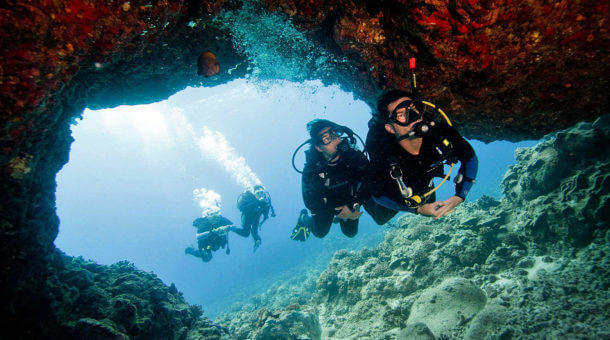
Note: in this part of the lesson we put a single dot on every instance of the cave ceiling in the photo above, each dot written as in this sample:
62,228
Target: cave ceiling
504,69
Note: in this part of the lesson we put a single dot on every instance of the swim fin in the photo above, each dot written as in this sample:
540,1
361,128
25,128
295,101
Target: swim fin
300,233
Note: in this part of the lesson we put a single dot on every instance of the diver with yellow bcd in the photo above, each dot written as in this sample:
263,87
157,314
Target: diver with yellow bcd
408,148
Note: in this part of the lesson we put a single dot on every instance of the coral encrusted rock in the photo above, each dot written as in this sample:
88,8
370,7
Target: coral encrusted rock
115,302
453,302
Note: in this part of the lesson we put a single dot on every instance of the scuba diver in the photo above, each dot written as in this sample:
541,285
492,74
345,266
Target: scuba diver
301,231
212,234
407,150
334,178
253,203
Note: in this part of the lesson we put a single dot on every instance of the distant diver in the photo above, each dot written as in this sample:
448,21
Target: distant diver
207,64
408,148
253,203
212,234
301,231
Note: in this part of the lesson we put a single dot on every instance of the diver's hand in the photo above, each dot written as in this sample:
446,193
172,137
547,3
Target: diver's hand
428,209
346,214
440,208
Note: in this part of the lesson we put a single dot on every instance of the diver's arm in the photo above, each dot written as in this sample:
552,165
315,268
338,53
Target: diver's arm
363,190
204,235
312,192
469,164
468,172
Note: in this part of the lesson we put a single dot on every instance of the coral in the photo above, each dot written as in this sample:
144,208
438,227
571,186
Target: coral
290,323
416,331
563,162
118,301
489,320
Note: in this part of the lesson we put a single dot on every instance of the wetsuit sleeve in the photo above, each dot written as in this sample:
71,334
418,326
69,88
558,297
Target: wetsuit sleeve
204,235
312,192
377,169
361,177
469,164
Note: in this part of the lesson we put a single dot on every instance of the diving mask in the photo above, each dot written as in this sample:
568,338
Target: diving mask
406,113
328,137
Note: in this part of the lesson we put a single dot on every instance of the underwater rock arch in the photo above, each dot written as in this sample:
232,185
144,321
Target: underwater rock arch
510,72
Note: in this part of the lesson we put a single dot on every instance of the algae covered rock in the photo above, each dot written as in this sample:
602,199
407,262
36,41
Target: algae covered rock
291,323
562,185
96,329
415,331
120,302
453,302
488,321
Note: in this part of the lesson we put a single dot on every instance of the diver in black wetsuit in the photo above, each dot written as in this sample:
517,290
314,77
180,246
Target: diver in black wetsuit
253,204
334,179
212,234
407,151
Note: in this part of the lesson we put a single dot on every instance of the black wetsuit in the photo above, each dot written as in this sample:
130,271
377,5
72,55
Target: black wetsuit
326,187
210,222
441,143
210,240
251,211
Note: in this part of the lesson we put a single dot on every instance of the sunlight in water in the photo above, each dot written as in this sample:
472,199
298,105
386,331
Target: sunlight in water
149,122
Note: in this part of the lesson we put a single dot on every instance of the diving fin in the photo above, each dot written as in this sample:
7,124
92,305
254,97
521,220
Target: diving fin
300,233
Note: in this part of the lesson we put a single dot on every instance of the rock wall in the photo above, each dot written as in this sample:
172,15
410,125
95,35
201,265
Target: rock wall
82,299
532,265
58,58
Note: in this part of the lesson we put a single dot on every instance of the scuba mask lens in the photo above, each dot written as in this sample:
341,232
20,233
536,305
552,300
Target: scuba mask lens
328,137
409,110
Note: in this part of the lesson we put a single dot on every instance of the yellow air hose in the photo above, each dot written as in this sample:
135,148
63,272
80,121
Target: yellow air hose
452,164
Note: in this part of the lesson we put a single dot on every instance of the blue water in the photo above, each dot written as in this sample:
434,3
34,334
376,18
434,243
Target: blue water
127,191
